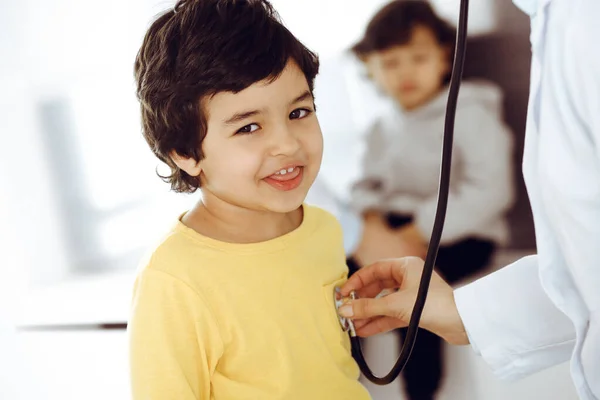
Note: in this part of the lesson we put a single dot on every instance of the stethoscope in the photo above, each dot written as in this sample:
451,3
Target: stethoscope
438,226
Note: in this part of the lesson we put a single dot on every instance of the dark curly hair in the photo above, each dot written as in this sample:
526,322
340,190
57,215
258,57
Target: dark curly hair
393,25
200,48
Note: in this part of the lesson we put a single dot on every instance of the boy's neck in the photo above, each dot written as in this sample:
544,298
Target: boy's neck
233,224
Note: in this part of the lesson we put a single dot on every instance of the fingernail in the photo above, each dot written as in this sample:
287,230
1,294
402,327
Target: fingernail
346,311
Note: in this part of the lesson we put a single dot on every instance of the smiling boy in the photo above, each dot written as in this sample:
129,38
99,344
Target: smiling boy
236,302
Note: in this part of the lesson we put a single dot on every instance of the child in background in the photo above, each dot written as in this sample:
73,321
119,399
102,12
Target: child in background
236,302
407,51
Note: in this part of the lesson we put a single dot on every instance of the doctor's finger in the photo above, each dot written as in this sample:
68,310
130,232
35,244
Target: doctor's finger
370,308
385,270
375,288
379,325
359,323
371,276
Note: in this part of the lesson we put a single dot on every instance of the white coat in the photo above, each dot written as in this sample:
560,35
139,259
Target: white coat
545,309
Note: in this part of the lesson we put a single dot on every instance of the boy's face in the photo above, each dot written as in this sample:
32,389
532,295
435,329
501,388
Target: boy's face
413,73
263,145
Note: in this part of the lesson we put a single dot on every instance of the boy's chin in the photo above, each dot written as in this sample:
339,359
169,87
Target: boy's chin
286,204
410,103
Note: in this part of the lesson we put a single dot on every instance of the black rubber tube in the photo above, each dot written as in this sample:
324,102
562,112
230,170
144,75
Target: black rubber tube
434,243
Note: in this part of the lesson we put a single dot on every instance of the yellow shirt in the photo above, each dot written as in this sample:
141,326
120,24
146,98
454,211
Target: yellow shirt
224,321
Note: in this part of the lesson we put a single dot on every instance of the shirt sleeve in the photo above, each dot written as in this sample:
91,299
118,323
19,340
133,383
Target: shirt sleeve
174,340
486,188
512,323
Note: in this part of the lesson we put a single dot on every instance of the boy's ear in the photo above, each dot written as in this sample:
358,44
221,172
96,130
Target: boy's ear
187,164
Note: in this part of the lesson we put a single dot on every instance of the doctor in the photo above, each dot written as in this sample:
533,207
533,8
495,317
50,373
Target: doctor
543,309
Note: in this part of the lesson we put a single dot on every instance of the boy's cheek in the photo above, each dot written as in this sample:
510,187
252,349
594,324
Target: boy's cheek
316,144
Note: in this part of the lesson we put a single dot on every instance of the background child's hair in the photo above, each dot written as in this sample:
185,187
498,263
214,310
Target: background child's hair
198,49
393,26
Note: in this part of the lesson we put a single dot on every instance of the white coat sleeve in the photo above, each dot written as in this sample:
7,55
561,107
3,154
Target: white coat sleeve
512,323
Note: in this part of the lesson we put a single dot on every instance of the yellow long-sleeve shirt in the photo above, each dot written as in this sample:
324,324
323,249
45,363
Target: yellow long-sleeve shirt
215,320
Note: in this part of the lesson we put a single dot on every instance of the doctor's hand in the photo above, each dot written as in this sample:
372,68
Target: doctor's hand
376,315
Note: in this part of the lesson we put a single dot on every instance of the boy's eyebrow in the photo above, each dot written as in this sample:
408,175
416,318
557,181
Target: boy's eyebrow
238,117
307,95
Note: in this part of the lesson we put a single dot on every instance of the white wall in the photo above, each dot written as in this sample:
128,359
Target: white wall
78,54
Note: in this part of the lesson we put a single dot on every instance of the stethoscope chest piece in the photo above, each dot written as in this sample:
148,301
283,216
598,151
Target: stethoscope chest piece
347,324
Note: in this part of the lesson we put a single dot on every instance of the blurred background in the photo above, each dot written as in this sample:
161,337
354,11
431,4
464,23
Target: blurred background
80,201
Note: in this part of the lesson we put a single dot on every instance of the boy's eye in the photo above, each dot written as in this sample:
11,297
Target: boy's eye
299,113
248,128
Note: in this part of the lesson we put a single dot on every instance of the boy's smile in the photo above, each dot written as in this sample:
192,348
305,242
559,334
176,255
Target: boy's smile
263,146
287,178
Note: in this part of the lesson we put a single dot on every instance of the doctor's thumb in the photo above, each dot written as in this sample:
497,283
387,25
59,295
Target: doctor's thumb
388,306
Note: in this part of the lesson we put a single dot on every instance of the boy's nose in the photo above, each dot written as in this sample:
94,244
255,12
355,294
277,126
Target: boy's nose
285,142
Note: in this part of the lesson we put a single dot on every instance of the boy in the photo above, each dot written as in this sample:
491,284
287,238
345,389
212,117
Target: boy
237,301
407,50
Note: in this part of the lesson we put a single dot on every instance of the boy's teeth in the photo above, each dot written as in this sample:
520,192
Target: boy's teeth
285,171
